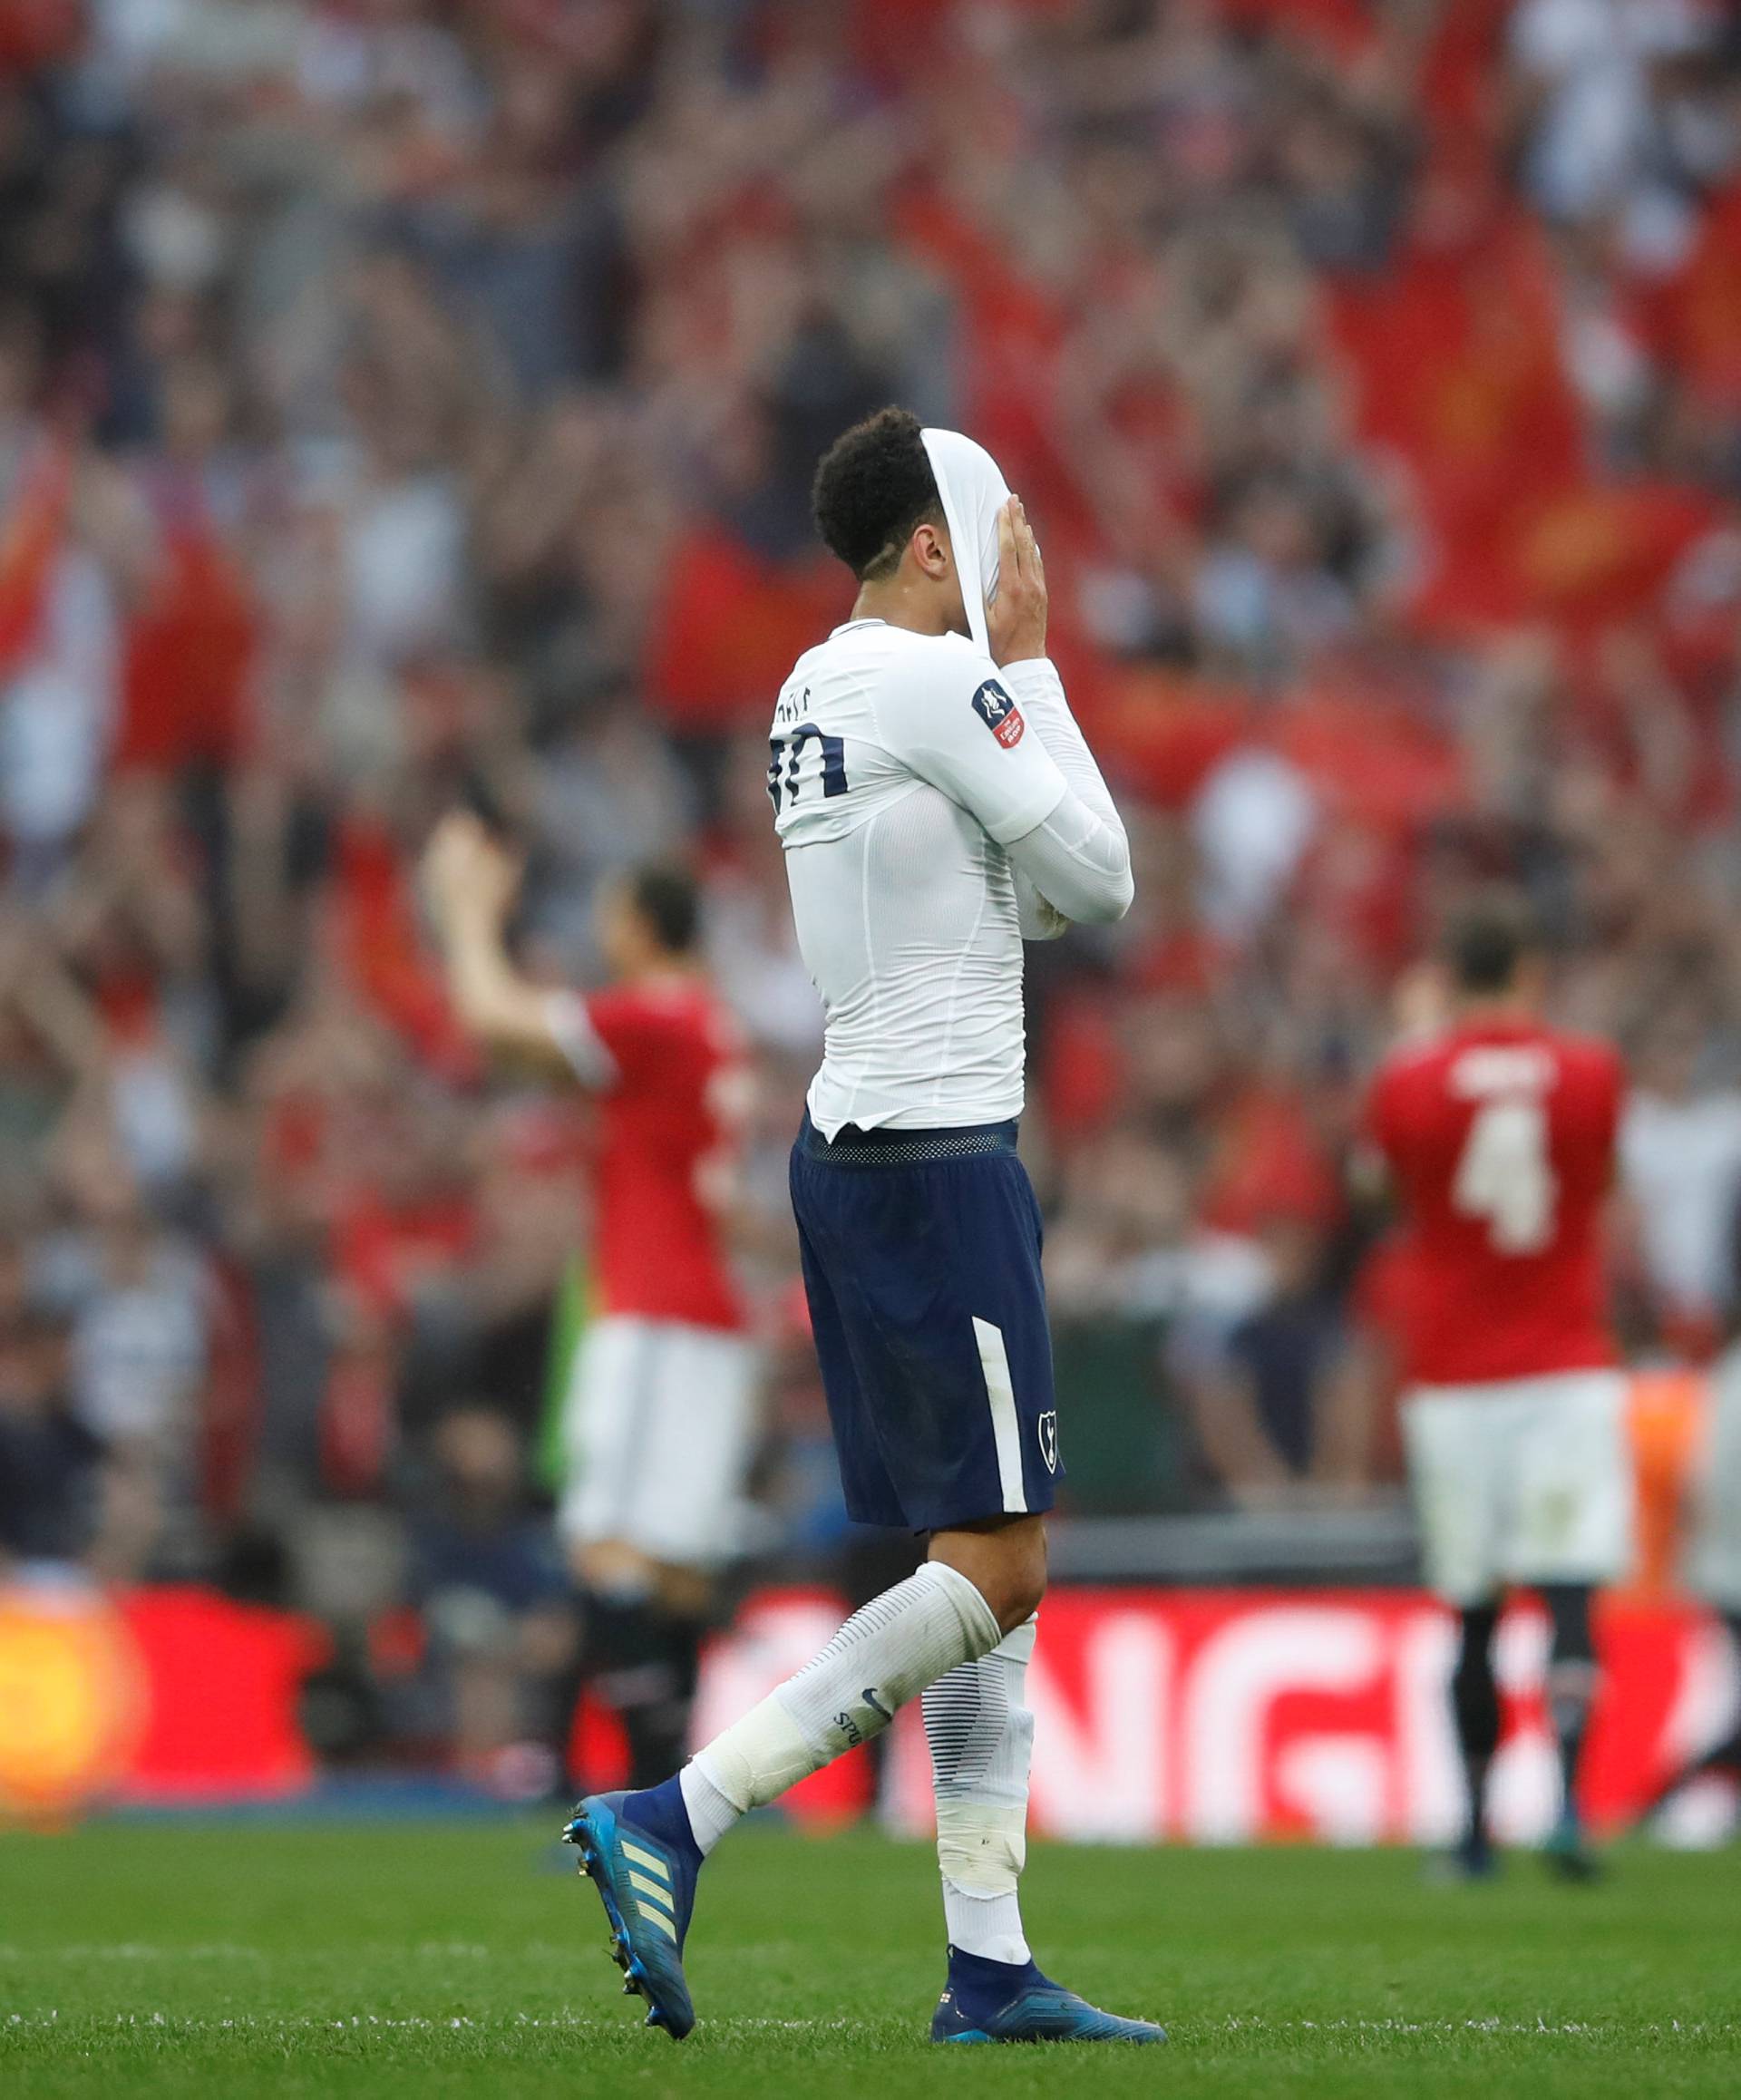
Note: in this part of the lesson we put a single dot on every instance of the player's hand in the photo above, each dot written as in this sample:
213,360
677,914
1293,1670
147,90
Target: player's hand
467,870
1015,617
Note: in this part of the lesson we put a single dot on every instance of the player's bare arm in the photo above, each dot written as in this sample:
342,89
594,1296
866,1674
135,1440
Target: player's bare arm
471,880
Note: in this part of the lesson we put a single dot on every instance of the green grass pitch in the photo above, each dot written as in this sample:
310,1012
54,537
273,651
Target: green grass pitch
433,1959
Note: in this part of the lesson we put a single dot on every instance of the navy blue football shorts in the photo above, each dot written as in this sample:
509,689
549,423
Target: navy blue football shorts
921,1258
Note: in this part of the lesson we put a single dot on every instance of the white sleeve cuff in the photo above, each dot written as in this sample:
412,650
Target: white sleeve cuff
1033,678
575,1036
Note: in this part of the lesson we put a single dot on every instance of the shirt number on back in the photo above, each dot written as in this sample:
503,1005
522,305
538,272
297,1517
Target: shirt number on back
1505,1176
786,756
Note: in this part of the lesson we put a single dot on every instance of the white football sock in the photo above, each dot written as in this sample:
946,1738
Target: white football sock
981,1736
884,1655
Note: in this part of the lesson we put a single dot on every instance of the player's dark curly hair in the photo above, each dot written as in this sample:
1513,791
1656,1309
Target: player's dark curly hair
1488,937
873,486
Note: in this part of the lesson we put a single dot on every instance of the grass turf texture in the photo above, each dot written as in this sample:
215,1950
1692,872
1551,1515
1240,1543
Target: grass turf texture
433,1959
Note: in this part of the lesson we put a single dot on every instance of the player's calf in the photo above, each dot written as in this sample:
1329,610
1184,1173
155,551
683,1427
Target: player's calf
1475,1706
1572,1680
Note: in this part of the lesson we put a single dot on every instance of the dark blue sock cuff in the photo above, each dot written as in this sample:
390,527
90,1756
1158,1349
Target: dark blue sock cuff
982,1977
661,1810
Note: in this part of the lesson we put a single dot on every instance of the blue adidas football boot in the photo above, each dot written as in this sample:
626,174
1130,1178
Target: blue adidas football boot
639,1851
1003,2001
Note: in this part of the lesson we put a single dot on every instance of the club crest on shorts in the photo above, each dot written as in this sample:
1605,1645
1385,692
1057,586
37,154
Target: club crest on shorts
1000,713
1048,1428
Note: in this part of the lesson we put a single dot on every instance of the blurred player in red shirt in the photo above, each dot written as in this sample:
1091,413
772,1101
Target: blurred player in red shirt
1499,1134
660,1417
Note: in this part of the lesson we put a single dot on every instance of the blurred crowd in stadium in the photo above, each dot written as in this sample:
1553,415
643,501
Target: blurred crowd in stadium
397,395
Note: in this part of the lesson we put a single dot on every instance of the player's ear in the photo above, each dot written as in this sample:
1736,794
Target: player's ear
930,547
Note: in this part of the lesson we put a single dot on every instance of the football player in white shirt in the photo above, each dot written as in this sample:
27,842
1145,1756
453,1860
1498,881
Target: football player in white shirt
937,804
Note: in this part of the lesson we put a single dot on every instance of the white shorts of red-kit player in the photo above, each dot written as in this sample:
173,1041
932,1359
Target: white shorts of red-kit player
1521,1481
659,1426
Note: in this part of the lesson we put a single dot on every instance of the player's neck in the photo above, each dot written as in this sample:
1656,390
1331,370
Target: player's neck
1501,1010
659,970
899,602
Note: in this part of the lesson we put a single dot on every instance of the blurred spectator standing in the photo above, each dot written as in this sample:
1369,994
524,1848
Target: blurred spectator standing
489,1583
50,1463
1681,1154
1276,1399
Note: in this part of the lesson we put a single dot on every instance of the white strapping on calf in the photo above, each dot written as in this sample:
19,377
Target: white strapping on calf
981,1736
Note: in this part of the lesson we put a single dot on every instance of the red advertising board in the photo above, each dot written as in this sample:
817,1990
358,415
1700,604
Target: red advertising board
1210,1716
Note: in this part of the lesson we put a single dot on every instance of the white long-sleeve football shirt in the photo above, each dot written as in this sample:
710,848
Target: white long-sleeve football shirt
911,779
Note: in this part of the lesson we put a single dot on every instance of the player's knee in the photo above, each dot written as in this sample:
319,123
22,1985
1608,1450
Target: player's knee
1012,1591
1005,1562
1020,1582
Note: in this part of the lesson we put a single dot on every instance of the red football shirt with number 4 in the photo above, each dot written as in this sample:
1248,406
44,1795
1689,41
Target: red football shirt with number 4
1500,1140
